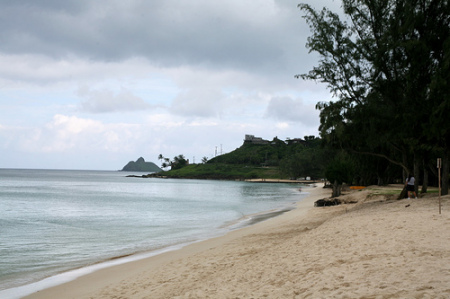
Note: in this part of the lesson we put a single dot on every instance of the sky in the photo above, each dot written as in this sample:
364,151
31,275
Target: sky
95,84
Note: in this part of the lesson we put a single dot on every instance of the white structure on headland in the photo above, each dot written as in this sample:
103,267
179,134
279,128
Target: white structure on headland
255,140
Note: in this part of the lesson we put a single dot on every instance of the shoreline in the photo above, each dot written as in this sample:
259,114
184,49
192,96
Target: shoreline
71,275
375,248
82,286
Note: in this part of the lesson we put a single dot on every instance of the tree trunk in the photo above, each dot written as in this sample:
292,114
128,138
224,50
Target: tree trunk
425,179
416,173
405,173
402,194
380,181
444,174
337,188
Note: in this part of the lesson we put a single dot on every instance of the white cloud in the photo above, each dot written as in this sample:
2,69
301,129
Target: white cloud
71,134
282,125
101,101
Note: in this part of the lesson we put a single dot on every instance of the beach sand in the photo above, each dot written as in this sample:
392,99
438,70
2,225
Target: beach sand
379,247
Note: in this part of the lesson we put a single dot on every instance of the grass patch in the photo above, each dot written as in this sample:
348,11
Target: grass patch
432,190
387,192
391,191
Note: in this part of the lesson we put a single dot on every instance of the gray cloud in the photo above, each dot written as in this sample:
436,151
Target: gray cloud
201,102
292,110
230,34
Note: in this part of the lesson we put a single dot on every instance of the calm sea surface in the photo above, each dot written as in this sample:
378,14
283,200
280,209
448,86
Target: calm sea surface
53,221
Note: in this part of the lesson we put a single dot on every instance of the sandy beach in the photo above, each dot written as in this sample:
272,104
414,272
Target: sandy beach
374,247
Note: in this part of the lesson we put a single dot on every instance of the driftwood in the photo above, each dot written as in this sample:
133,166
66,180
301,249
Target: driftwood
327,202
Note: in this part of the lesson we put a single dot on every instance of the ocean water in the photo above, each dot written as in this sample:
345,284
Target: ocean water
54,221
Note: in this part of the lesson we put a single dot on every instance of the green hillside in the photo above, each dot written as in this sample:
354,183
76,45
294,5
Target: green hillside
260,159
271,154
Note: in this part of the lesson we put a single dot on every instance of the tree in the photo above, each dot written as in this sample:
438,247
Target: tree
166,163
388,67
179,162
340,170
308,162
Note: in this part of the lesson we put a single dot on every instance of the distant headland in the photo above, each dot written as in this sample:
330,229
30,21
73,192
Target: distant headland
141,165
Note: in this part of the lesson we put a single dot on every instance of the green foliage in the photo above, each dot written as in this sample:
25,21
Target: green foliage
177,162
340,170
253,154
265,154
389,70
308,162
301,159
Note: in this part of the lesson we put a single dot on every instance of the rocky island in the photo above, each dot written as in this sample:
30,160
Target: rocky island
141,165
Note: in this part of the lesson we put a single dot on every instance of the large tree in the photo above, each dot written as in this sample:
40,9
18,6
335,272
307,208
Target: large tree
387,64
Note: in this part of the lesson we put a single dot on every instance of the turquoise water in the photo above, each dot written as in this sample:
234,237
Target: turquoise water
52,221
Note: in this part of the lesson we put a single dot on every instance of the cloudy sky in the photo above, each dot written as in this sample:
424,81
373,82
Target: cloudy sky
94,84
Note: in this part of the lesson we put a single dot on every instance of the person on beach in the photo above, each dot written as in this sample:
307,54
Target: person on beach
410,186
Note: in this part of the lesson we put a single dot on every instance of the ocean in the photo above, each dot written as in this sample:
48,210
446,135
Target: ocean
58,224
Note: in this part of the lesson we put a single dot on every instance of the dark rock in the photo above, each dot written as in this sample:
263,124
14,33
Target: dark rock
327,202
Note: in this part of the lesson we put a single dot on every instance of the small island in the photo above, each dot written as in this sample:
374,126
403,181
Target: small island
141,165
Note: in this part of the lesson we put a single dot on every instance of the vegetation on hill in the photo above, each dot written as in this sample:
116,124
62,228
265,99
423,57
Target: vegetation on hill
220,171
282,155
276,159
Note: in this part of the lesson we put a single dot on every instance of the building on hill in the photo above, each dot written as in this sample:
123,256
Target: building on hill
296,141
255,140
251,139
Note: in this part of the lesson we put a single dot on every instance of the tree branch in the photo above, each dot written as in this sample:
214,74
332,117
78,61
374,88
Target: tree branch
385,157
